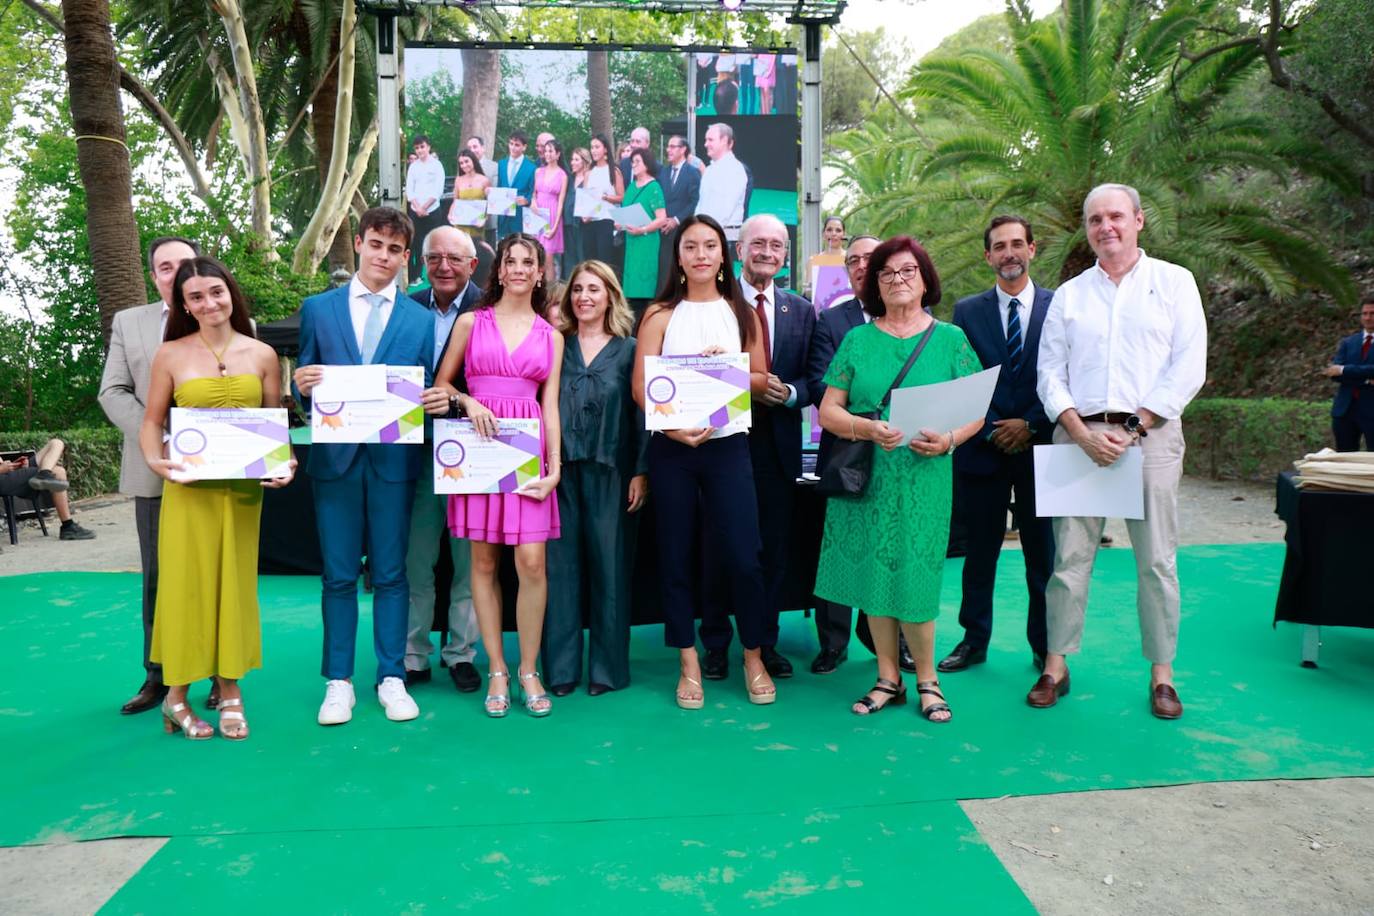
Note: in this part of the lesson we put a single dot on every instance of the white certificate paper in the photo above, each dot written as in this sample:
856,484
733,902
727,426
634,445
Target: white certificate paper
588,203
693,392
632,216
1068,482
501,201
229,443
467,212
397,418
534,220
464,462
351,383
944,405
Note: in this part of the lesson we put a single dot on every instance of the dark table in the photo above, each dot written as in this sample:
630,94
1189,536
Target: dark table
1329,536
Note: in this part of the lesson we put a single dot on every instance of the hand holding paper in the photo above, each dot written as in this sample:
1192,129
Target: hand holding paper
944,405
1069,483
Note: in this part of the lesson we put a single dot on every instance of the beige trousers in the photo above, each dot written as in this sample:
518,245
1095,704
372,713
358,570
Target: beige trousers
1154,540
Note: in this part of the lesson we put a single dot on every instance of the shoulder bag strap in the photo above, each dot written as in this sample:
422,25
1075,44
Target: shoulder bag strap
910,361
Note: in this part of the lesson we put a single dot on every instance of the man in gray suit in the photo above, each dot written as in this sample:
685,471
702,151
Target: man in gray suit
134,338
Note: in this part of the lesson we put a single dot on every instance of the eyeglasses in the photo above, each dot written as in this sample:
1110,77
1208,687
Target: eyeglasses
457,260
907,273
854,260
767,245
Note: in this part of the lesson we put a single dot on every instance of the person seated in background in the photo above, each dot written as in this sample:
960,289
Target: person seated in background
22,479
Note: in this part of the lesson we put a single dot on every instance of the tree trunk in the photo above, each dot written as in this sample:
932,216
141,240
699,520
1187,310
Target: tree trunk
599,94
481,99
103,159
259,176
322,127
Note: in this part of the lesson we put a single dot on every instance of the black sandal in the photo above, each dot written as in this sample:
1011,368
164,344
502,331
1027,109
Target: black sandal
929,689
894,690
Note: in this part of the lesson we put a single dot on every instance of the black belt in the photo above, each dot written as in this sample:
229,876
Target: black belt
1118,418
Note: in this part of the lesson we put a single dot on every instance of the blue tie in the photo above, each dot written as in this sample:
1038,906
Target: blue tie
1014,341
372,328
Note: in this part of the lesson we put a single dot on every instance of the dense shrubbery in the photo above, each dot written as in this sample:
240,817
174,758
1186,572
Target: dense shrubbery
1242,439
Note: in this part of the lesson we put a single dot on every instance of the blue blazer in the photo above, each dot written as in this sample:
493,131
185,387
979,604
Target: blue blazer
794,321
979,317
327,338
523,182
831,326
680,197
1353,376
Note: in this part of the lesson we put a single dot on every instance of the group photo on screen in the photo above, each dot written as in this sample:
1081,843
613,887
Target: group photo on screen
596,153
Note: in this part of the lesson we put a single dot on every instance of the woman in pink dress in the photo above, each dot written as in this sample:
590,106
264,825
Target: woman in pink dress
550,190
765,78
511,358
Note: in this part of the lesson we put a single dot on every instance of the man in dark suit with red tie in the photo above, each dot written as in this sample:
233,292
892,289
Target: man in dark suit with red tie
1352,411
1003,325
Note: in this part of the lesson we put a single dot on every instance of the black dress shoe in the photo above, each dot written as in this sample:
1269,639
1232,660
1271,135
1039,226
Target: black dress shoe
775,663
418,676
716,665
562,690
596,690
212,701
904,658
465,677
148,696
828,661
964,655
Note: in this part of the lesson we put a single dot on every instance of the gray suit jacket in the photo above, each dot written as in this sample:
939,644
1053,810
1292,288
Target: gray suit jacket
134,339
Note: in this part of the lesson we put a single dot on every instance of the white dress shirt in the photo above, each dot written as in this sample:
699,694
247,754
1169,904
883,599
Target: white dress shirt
1024,301
722,194
425,181
1108,348
358,306
751,296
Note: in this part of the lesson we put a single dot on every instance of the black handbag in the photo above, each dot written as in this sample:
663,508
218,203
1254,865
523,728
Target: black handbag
850,462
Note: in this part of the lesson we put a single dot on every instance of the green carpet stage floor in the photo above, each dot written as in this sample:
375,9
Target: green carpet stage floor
623,800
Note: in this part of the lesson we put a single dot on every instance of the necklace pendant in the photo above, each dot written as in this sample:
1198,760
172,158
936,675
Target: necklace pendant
222,372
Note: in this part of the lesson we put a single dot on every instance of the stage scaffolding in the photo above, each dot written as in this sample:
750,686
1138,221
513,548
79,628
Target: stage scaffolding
811,15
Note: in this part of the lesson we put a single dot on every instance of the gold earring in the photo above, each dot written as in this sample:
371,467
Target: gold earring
720,275
682,277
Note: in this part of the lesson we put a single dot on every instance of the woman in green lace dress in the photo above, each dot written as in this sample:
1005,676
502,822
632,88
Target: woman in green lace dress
885,552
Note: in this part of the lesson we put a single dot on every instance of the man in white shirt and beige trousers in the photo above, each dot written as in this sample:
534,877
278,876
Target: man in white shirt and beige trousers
1122,352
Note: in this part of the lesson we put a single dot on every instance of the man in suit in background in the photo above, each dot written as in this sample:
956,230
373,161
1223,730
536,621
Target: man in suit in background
787,321
1003,325
640,138
1352,411
834,622
364,492
450,258
681,188
134,338
515,171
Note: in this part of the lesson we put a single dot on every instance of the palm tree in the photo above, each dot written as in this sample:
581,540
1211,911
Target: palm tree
1095,94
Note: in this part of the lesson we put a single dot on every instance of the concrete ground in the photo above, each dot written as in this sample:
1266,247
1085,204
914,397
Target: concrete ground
1245,848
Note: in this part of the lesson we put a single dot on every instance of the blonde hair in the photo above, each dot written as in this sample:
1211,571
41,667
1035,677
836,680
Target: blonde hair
586,157
619,320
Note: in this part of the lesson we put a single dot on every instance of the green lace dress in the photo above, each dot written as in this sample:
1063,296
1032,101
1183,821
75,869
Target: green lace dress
885,552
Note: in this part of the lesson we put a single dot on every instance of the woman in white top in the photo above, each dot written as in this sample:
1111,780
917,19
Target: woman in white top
604,179
703,478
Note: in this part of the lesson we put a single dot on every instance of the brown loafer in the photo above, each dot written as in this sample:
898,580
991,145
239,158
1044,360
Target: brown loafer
1047,691
1164,702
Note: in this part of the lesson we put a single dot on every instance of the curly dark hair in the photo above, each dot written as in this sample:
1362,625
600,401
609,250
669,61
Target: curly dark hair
871,294
539,297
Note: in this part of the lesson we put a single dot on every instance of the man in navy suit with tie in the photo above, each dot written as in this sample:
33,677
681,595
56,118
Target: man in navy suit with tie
681,188
450,258
787,321
364,492
1003,325
515,171
1352,411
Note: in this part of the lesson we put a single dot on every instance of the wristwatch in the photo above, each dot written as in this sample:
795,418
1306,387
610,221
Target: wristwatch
1134,426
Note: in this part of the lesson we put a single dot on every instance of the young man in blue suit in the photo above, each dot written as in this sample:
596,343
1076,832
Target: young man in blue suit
681,183
1352,411
363,493
515,171
775,437
1003,325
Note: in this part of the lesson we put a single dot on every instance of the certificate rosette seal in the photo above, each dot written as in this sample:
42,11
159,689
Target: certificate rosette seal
394,417
464,462
693,392
229,443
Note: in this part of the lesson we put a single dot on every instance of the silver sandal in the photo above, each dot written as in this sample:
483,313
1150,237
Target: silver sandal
532,700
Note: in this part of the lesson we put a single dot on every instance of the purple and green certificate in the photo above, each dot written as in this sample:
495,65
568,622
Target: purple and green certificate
369,404
464,462
693,392
229,443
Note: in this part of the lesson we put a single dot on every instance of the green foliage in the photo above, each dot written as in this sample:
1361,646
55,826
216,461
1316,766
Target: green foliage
272,290
646,89
1242,439
92,455
848,94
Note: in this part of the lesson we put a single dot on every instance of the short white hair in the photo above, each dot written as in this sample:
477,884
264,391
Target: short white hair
465,246
725,131
640,133
758,220
1101,189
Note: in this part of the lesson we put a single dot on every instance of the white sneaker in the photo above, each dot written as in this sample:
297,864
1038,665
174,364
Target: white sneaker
337,707
391,692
